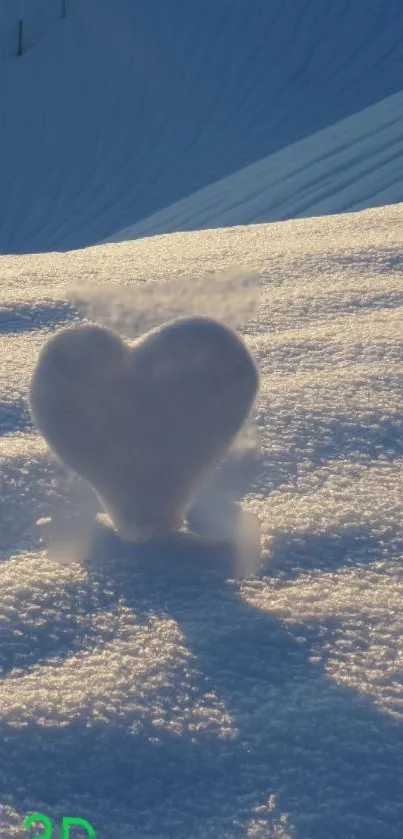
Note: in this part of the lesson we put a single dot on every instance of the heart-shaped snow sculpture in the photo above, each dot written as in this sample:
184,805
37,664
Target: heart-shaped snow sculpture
143,423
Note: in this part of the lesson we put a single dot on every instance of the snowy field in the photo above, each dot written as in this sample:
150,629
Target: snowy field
40,18
151,694
124,108
154,691
354,164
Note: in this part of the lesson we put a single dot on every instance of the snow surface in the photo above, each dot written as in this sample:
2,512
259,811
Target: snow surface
39,17
150,694
122,109
354,164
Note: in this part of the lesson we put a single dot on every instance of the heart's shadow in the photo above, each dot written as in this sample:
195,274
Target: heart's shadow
327,754
235,644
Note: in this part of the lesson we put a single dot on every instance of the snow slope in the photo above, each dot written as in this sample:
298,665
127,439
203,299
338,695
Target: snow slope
354,164
39,17
148,693
124,108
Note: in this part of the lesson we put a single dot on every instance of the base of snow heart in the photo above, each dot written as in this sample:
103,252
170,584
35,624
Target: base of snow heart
144,423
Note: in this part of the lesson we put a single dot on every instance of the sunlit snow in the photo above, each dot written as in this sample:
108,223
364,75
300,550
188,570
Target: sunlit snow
150,694
163,690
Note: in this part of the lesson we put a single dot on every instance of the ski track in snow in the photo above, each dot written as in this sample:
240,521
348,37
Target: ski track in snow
162,701
121,110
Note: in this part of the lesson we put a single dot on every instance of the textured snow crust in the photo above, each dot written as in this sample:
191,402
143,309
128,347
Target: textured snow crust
149,693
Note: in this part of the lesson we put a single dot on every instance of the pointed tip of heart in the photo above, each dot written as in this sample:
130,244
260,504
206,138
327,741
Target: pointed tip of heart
178,555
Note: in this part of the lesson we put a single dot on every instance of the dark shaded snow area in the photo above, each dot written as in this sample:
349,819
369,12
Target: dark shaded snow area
121,109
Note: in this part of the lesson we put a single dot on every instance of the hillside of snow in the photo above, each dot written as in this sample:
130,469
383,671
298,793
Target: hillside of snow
354,164
122,109
145,690
39,18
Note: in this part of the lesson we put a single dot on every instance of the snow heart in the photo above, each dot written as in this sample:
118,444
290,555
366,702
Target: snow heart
144,423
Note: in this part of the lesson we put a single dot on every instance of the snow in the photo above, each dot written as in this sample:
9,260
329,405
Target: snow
169,690
147,692
122,109
354,164
38,18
